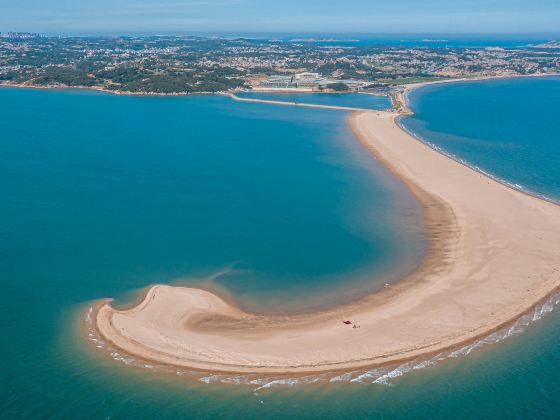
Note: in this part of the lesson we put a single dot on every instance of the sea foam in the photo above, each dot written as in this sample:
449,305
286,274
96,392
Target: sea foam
385,375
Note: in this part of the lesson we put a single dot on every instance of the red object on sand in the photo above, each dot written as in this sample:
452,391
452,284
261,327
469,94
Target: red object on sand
347,322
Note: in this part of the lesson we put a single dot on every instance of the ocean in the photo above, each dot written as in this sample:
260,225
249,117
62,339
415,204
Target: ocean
432,40
278,206
509,128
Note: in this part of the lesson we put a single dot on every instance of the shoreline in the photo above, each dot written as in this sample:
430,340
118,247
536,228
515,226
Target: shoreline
400,98
230,94
433,214
102,89
406,88
460,161
214,336
403,96
509,328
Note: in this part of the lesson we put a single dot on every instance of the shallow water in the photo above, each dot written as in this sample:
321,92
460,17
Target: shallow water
353,100
52,371
260,200
103,195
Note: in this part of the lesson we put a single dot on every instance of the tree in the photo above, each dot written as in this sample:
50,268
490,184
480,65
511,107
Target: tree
338,87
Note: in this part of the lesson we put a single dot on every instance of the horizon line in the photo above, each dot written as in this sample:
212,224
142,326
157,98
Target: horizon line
271,33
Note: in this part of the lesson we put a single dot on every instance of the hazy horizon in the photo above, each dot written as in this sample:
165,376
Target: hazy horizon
465,17
404,36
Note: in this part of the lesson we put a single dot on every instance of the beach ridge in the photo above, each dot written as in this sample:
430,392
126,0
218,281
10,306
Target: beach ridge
492,256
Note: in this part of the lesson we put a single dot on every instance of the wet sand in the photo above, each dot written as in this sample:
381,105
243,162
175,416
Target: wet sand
494,253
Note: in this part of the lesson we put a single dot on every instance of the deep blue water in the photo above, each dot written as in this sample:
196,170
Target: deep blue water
509,127
48,269
353,100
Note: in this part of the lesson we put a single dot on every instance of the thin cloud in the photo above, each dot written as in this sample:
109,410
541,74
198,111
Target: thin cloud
184,5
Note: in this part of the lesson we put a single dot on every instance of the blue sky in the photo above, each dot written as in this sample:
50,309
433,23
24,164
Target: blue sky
320,16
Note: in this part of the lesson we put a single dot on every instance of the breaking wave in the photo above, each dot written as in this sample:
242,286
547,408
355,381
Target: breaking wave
381,375
475,168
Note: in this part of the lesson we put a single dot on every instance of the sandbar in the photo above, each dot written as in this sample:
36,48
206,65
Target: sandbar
494,252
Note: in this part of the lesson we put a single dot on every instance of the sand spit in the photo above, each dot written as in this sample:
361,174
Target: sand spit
494,254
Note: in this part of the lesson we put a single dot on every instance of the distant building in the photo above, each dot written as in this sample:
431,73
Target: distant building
352,84
18,35
307,76
279,82
306,81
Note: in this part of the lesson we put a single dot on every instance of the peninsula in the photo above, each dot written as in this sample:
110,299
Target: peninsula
493,255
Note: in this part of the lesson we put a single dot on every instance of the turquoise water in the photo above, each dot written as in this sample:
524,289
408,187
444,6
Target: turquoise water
353,100
103,195
130,191
47,268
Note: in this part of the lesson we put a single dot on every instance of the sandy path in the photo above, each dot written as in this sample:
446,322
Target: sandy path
494,253
300,104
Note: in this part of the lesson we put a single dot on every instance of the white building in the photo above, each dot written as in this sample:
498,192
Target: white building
306,81
307,76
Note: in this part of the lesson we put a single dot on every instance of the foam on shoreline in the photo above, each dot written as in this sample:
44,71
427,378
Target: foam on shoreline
479,277
379,376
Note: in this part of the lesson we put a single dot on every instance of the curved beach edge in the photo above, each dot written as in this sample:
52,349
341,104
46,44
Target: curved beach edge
493,255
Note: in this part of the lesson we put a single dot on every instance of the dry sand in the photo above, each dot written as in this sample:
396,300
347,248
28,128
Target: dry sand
494,253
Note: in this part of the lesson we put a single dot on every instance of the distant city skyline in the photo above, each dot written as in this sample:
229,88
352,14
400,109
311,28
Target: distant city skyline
327,16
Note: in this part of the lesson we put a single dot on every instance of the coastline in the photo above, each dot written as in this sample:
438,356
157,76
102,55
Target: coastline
460,161
403,96
101,89
230,94
478,276
401,102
